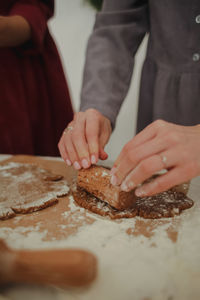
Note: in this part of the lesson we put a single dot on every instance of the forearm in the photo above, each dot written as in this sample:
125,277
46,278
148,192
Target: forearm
14,31
118,32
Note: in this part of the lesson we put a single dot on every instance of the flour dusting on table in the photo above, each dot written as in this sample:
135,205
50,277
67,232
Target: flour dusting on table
27,188
138,259
126,252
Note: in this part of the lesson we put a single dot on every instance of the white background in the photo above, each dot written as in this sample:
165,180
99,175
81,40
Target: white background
71,27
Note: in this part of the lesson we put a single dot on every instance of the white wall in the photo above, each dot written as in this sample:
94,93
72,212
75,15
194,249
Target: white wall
71,28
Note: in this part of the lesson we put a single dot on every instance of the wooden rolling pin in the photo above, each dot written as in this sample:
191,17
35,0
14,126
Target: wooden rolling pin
71,267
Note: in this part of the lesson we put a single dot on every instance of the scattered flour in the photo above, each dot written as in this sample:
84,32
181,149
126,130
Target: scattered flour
104,173
42,190
130,266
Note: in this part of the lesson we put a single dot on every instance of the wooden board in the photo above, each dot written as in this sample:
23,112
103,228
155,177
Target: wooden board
150,259
51,219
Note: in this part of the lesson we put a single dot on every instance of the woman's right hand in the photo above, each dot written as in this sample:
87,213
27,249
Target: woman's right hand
82,142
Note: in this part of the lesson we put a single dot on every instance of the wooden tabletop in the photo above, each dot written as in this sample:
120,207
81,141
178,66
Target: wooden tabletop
138,259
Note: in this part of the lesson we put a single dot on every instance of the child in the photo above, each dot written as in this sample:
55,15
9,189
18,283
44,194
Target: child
35,105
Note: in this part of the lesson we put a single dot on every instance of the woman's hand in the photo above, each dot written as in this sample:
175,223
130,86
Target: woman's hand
161,145
83,141
14,31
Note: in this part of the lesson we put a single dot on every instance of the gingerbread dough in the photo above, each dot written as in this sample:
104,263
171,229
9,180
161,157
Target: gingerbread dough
164,205
26,188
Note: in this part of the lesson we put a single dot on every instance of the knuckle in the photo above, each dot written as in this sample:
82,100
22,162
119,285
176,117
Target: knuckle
94,114
159,123
131,155
173,138
92,111
144,167
126,148
127,152
78,117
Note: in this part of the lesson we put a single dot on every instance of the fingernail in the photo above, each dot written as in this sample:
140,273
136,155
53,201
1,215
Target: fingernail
93,159
113,180
124,187
131,185
140,192
85,163
127,186
113,170
76,165
68,162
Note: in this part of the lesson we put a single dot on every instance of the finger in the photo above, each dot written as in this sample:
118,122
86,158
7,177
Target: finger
148,167
133,156
80,143
92,137
143,171
61,144
175,176
144,136
71,151
63,151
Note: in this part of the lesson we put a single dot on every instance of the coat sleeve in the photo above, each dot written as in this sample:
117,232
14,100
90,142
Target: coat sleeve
37,13
118,31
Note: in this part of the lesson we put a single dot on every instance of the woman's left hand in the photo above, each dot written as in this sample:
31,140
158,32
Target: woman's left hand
161,145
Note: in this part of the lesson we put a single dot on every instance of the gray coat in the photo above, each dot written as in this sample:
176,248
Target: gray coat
170,82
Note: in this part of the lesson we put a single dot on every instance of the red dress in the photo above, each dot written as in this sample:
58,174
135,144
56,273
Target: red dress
35,104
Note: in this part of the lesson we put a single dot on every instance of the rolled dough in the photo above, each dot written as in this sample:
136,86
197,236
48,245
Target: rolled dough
163,205
25,188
